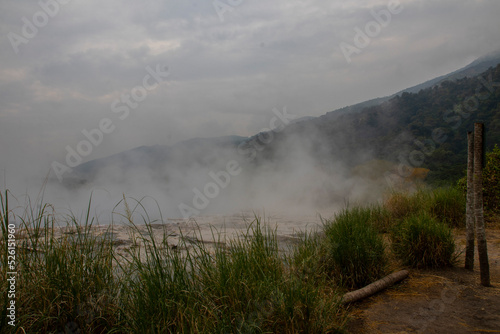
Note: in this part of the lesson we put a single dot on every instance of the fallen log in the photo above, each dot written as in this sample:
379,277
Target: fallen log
375,287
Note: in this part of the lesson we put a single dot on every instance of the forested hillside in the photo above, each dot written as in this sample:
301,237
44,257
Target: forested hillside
426,129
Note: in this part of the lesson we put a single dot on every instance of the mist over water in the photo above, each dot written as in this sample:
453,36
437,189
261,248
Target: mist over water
289,175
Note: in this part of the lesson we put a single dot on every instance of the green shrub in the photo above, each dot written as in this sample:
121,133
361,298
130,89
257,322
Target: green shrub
355,251
491,181
421,241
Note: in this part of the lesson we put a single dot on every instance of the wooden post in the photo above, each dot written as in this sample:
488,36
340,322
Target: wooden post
469,213
478,204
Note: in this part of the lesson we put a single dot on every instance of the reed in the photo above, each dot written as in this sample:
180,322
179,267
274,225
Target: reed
76,281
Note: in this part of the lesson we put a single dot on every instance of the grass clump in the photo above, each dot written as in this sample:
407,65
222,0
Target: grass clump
244,280
445,204
401,204
355,251
421,241
310,296
158,283
62,283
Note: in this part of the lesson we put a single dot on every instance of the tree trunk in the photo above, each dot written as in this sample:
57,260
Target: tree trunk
478,204
375,287
469,213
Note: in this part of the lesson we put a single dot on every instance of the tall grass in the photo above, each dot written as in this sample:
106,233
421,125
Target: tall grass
355,250
241,285
448,206
76,281
444,204
61,282
423,242
4,222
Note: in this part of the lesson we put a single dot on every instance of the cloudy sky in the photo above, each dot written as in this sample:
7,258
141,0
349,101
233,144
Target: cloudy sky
68,66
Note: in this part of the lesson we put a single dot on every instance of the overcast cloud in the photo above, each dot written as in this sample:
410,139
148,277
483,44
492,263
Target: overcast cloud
225,76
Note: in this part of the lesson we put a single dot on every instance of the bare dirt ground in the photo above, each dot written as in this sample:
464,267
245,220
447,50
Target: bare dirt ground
449,300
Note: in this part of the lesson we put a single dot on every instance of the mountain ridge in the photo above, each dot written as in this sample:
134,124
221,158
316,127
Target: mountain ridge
474,68
379,111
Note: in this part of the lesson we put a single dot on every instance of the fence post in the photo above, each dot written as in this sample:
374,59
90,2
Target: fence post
469,213
482,248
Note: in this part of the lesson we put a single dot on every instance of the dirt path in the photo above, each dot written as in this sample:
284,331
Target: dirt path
447,300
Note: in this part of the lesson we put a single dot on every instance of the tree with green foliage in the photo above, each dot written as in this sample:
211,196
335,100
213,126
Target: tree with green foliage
491,181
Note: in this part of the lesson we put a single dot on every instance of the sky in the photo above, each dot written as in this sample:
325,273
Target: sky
122,74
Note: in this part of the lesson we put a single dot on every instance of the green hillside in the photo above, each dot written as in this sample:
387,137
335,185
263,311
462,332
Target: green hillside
427,129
